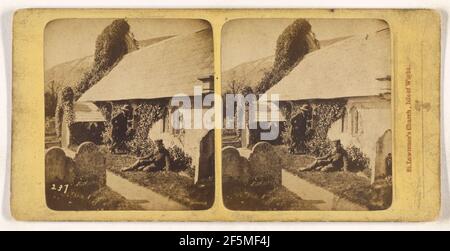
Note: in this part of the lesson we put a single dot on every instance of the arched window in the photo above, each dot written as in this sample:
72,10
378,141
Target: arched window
344,120
354,113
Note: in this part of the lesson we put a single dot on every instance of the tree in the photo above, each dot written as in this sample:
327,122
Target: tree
292,45
64,109
111,45
51,99
234,87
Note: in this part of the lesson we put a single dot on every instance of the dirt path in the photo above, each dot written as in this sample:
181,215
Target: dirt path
146,198
324,200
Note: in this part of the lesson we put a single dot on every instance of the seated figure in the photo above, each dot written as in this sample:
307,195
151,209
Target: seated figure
157,161
334,161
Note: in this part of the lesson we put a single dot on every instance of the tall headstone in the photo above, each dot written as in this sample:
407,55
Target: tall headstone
206,163
91,163
383,149
55,165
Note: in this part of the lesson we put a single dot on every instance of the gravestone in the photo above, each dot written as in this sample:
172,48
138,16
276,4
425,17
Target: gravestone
265,164
383,148
58,167
234,166
55,165
205,169
91,163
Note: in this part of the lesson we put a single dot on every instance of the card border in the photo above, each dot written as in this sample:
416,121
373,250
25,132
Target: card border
416,194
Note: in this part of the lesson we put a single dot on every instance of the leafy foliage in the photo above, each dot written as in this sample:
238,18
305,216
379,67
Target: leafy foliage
111,45
145,115
324,114
236,87
357,160
64,109
51,99
179,159
292,45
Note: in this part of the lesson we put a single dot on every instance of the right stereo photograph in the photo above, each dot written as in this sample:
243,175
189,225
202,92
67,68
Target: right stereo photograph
307,114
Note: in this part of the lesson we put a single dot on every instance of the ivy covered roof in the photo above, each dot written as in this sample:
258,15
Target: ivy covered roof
165,69
355,67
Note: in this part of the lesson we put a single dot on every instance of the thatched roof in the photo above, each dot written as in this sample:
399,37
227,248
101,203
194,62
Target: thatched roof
250,73
354,67
170,67
70,73
87,112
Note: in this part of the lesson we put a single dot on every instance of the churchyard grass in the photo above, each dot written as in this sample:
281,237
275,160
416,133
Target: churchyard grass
349,185
178,186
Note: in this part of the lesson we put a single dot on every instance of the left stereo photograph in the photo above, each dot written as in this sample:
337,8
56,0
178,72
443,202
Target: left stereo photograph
123,98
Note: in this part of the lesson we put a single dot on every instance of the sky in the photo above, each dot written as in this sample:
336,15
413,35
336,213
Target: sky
244,40
69,39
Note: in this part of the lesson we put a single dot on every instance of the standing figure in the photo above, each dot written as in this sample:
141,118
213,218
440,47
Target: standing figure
119,129
298,130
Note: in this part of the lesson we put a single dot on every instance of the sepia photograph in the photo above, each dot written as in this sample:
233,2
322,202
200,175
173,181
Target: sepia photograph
119,94
223,119
307,114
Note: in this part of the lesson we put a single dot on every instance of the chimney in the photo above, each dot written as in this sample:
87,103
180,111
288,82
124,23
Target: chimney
207,83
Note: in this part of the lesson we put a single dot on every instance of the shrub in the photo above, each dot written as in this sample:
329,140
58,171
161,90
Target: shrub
357,160
179,159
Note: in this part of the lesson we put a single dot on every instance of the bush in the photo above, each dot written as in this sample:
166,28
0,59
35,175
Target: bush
357,160
179,159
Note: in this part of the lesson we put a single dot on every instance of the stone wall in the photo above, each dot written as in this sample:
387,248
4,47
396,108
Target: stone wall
374,120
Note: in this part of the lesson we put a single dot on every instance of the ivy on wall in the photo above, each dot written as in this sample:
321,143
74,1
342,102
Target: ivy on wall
145,114
64,109
324,114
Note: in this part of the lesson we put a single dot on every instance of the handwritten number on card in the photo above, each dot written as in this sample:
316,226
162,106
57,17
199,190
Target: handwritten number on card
60,188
